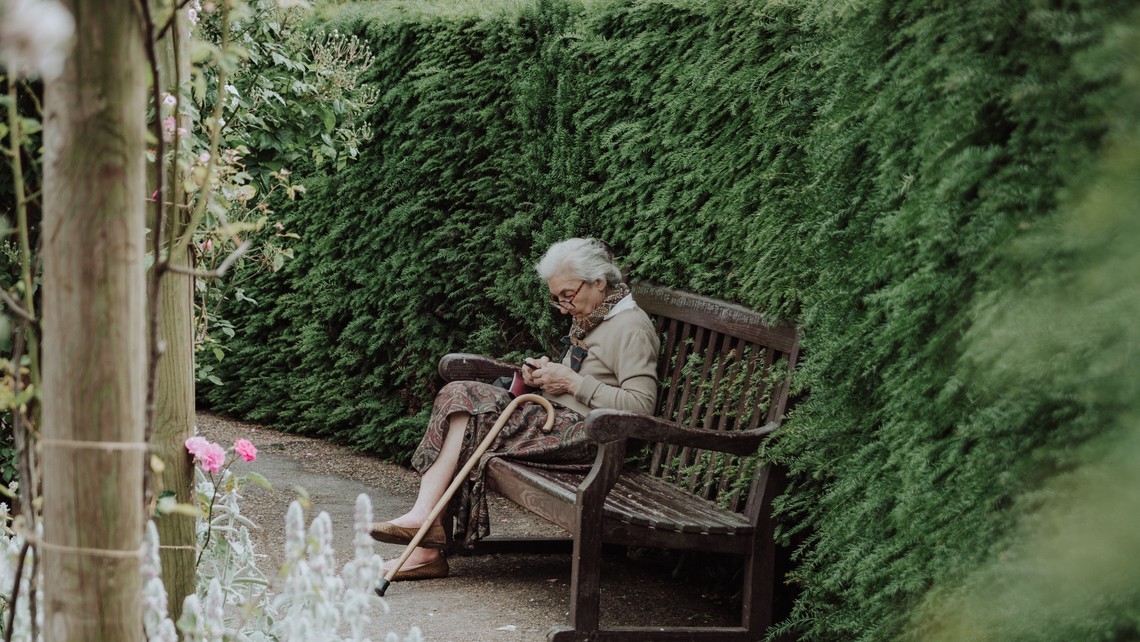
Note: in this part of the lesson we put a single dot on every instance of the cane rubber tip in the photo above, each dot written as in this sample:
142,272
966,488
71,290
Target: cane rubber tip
382,587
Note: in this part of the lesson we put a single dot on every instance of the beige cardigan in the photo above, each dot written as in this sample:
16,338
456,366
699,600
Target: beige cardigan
620,370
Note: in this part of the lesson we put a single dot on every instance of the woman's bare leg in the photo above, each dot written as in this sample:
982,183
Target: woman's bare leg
433,483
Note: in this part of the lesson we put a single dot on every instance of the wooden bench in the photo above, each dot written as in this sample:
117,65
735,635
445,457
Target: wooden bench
723,388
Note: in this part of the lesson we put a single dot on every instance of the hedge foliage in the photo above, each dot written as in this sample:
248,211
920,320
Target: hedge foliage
906,180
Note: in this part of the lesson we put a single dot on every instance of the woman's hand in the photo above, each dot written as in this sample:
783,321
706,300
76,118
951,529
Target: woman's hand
529,368
556,378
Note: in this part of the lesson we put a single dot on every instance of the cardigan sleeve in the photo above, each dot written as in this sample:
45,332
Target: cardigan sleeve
632,358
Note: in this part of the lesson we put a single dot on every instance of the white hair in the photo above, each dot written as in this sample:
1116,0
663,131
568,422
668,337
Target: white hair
584,258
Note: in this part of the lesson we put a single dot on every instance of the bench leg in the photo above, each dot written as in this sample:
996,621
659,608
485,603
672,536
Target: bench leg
760,560
759,565
586,571
586,565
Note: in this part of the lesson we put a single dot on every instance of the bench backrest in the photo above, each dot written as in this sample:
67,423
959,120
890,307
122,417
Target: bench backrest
722,367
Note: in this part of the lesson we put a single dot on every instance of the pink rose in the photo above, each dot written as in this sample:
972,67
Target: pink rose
196,445
213,460
246,450
209,456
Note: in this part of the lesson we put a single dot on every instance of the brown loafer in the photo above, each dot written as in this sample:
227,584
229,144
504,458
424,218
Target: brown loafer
389,533
432,570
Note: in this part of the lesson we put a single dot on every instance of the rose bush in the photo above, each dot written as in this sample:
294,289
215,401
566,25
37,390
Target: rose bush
317,601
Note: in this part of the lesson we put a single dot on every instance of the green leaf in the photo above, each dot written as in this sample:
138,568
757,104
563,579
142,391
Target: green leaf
260,480
168,505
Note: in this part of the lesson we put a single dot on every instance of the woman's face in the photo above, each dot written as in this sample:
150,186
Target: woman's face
574,296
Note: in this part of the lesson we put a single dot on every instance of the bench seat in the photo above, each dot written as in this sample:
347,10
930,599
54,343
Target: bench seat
639,508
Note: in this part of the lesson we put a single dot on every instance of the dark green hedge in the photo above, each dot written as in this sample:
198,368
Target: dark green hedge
873,170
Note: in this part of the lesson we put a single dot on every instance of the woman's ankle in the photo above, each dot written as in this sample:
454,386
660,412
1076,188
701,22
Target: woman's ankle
418,557
409,520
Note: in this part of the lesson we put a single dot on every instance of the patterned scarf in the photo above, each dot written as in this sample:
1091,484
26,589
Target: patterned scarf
582,326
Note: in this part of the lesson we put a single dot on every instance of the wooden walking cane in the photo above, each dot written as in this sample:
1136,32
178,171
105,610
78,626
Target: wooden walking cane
462,475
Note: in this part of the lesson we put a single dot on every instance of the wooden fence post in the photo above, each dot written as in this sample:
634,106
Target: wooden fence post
174,385
94,339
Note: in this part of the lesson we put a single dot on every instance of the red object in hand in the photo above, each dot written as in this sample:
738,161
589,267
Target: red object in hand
518,386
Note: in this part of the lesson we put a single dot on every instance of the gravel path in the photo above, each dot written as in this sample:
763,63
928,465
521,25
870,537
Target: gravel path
487,597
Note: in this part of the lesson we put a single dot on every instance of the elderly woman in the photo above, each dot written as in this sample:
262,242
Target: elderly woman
609,361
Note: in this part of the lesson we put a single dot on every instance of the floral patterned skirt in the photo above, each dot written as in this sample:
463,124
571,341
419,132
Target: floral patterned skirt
565,447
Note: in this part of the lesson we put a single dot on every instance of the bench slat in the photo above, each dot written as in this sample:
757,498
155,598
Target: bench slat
735,359
699,394
679,334
645,507
717,355
734,351
636,499
699,345
716,315
691,514
674,408
763,394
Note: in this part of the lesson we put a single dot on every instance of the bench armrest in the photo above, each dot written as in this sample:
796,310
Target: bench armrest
607,425
473,367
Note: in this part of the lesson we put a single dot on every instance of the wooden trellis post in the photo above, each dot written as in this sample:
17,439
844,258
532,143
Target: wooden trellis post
174,386
94,339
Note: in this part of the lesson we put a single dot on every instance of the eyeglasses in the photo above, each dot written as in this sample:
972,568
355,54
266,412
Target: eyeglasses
566,304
